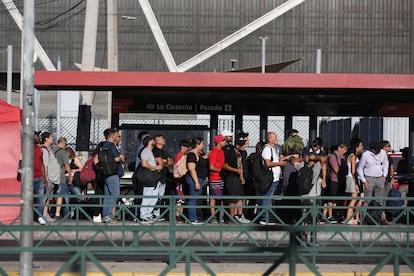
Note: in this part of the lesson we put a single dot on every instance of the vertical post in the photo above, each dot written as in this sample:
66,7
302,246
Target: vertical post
313,127
263,39
411,158
112,35
238,124
288,124
88,64
36,103
213,128
9,73
263,127
59,102
26,257
318,61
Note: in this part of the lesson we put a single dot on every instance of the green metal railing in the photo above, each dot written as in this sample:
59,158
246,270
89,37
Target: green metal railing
301,234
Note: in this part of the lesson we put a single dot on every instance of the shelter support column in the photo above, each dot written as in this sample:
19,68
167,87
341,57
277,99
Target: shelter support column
238,122
288,125
115,120
411,160
213,128
313,127
263,127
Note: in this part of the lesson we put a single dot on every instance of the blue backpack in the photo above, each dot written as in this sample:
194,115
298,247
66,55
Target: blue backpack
396,202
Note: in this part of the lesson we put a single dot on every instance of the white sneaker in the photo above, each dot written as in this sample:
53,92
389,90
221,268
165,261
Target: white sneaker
97,218
41,221
243,220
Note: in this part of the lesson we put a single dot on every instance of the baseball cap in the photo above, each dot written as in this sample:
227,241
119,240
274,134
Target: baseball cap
218,138
226,132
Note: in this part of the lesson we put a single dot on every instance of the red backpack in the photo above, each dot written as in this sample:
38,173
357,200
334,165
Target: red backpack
88,174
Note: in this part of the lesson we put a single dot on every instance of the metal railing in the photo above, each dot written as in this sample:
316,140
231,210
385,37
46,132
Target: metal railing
301,234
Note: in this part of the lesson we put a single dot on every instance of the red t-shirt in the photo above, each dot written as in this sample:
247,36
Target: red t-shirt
37,161
216,158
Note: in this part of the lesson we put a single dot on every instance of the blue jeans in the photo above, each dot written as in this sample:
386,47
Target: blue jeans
111,188
64,190
39,189
267,201
192,202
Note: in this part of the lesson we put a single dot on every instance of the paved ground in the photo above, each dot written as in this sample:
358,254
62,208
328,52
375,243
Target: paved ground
222,269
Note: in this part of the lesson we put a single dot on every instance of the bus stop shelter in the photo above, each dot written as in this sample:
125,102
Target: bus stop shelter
287,94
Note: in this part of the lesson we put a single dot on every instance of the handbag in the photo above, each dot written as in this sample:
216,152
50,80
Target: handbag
147,177
350,184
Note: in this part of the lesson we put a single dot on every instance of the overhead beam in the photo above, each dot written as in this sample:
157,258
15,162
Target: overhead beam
18,19
238,35
158,35
109,80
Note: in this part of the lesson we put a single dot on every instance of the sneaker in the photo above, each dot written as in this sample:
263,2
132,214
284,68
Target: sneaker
263,222
157,218
49,219
97,218
197,222
179,220
237,218
147,220
243,220
332,220
313,244
110,220
41,221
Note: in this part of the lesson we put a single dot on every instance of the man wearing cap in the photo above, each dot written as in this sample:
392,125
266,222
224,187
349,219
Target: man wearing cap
216,162
234,176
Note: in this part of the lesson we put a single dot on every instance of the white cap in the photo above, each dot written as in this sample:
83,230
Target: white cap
226,132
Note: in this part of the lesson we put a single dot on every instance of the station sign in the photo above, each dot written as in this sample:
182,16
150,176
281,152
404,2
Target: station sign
190,108
130,106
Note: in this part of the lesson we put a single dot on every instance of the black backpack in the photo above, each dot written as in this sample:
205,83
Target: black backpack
106,164
263,176
304,180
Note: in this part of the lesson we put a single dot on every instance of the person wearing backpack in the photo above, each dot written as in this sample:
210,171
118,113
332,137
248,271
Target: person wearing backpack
270,155
111,182
179,181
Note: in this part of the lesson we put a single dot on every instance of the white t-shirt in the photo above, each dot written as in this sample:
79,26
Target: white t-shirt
267,154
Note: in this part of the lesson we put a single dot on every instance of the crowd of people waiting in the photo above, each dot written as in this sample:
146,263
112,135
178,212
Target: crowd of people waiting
225,170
